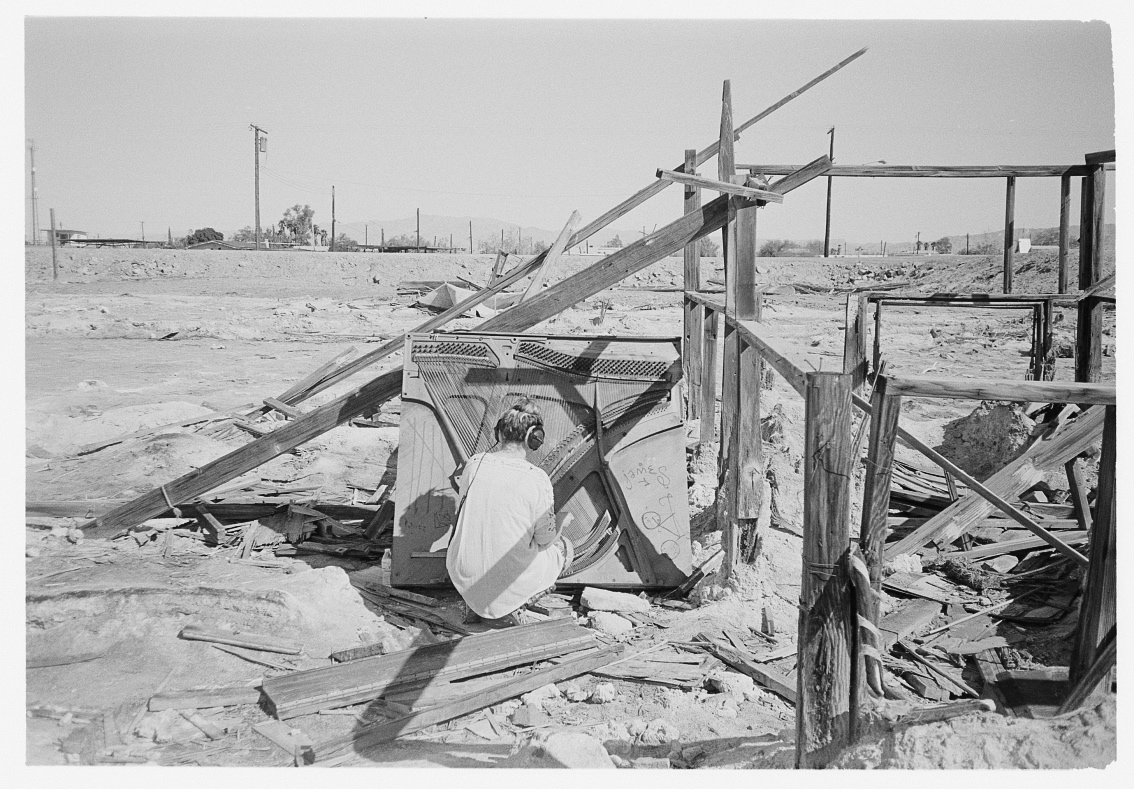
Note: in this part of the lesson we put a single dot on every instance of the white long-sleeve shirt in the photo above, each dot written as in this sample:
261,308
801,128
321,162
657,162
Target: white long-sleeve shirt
503,550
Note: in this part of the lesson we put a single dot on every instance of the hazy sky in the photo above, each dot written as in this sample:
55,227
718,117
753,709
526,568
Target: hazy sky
148,119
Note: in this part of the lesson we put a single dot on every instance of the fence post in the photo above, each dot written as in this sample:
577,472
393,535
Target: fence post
1064,229
691,355
827,698
749,450
1009,231
709,377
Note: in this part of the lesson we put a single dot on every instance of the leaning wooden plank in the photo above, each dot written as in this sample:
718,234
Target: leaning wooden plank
552,256
368,736
719,186
363,680
402,594
1011,546
247,640
1011,390
276,405
203,698
542,306
782,684
959,687
1020,474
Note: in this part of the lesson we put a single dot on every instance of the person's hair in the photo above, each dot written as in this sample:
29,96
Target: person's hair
515,423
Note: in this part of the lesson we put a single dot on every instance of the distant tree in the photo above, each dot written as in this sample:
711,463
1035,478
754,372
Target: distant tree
245,233
539,246
297,222
943,245
710,248
343,241
204,234
814,248
774,248
614,242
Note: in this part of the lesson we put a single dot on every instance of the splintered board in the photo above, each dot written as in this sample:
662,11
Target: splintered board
303,692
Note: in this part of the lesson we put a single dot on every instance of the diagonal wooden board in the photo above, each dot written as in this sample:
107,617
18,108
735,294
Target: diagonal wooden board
609,271
1018,475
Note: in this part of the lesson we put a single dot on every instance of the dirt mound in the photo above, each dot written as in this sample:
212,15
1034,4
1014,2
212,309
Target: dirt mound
989,742
988,439
64,435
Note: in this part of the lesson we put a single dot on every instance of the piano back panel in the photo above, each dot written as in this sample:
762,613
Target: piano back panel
641,537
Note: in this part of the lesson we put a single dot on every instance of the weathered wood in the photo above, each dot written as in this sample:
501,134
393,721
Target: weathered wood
246,640
1098,224
692,271
1009,231
553,254
204,698
1088,340
1064,230
1086,225
276,405
375,734
854,340
911,617
692,351
930,170
828,700
1100,157
1078,491
1099,670
1019,475
727,472
746,297
876,486
943,712
750,445
782,684
1011,546
1098,610
791,372
711,324
1011,390
719,186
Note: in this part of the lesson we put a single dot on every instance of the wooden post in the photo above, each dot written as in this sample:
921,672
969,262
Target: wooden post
877,356
1088,329
1009,231
709,377
827,698
1047,340
730,367
692,203
748,451
54,264
885,409
1097,612
854,340
692,346
1098,224
1064,229
1086,223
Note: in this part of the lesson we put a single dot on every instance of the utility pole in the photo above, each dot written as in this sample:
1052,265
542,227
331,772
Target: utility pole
471,250
34,196
54,265
143,233
966,243
419,228
827,227
332,218
366,236
258,142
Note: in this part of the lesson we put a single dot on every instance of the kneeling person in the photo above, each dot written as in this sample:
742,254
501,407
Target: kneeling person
507,547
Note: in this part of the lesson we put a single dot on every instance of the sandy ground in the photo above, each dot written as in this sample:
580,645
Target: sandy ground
128,339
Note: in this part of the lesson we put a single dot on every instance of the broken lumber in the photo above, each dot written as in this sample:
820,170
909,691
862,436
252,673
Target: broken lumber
211,730
1011,546
366,679
540,307
1105,659
960,688
246,640
293,741
342,748
277,405
782,684
401,594
943,712
913,616
204,698
1020,474
719,186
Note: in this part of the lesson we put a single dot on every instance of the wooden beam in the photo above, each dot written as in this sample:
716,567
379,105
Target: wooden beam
552,256
1020,474
828,704
711,323
1100,157
1086,225
1098,611
1099,671
276,405
1009,231
720,186
365,737
1011,546
1064,230
1078,490
930,171
791,372
1009,390
1088,340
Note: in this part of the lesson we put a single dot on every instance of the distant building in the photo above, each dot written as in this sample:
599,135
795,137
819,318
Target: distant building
68,237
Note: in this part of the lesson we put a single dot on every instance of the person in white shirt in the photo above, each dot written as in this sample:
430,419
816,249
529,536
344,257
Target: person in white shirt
508,547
